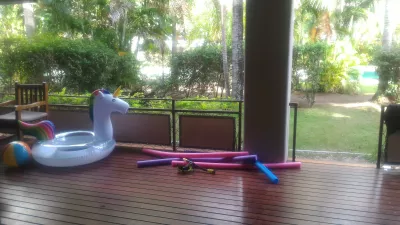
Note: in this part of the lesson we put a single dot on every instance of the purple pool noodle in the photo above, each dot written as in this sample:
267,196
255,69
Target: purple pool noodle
245,159
206,159
156,162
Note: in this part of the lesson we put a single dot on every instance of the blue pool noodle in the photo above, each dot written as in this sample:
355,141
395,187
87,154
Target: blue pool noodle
274,179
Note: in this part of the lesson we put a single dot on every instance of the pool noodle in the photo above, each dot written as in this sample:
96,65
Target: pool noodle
244,159
210,160
287,165
155,162
267,172
192,155
167,161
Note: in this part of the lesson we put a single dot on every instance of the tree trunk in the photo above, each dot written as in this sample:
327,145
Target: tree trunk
174,39
387,35
162,60
124,24
237,50
225,51
137,47
29,19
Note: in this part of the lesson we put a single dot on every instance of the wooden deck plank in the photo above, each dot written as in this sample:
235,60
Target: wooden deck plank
300,187
215,213
7,221
266,204
115,191
337,183
89,215
225,209
111,210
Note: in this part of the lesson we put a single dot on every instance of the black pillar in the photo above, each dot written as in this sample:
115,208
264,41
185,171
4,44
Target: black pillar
267,78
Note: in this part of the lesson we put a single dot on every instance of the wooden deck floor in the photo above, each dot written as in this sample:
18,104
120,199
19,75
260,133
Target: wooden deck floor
114,191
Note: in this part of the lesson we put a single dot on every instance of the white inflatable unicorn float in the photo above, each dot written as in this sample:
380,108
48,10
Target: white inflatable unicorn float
77,148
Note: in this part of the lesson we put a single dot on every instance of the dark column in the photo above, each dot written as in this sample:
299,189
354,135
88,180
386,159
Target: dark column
267,78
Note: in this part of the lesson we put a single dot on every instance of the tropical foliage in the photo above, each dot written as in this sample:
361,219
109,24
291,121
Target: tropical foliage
78,65
198,44
197,70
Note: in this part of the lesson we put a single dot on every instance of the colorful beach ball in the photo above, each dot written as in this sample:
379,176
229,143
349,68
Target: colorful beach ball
17,153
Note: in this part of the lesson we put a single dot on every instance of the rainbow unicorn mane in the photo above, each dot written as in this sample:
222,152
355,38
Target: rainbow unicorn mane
92,99
43,130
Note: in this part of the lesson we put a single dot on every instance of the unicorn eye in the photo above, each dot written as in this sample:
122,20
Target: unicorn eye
113,100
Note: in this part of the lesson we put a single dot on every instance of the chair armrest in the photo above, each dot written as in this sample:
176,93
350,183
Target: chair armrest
29,106
10,102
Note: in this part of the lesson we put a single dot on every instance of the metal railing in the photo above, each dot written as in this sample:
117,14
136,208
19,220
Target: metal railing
174,111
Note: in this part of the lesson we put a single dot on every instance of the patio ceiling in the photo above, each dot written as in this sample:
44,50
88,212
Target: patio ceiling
8,2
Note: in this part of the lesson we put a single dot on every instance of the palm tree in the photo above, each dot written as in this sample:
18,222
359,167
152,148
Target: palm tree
222,11
178,11
29,19
119,16
225,51
387,38
320,19
387,35
237,50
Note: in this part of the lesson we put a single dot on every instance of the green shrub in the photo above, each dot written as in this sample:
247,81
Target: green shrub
311,58
79,65
388,69
324,68
138,101
197,70
354,74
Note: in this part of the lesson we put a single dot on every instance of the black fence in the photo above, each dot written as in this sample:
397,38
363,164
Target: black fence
186,122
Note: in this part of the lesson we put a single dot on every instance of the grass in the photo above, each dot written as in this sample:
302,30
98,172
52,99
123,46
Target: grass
368,88
337,128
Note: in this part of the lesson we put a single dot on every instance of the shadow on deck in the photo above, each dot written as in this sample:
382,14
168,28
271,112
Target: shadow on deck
115,191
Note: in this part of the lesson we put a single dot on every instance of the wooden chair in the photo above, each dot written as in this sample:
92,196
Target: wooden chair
30,105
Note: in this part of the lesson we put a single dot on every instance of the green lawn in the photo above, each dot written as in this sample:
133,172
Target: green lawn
336,128
368,89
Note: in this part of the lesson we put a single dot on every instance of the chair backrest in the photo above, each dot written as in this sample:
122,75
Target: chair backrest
30,93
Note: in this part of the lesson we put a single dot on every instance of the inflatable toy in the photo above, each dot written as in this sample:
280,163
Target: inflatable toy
16,154
44,130
83,147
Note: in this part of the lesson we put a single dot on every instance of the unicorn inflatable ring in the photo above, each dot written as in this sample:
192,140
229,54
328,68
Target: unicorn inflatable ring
77,148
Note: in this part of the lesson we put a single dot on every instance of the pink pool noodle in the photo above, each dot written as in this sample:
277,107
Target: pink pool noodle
192,155
155,162
244,159
288,165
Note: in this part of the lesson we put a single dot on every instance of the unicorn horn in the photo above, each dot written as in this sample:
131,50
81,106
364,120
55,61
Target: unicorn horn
117,92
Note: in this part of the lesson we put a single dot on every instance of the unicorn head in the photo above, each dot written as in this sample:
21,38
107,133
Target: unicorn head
101,104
